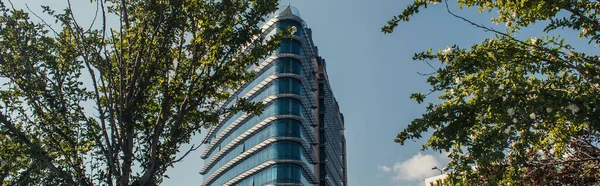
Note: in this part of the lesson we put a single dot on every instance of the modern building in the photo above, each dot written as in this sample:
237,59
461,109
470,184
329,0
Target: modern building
435,180
299,137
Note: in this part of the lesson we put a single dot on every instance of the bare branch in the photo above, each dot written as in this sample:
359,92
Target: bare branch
43,21
192,149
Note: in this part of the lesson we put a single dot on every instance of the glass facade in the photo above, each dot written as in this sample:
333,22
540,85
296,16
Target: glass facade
277,174
281,146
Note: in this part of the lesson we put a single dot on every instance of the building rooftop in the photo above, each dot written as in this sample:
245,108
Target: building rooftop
289,10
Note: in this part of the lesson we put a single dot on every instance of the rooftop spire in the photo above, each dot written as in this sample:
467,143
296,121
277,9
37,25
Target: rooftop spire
290,10
287,10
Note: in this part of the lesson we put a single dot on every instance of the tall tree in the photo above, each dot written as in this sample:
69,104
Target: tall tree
102,106
515,111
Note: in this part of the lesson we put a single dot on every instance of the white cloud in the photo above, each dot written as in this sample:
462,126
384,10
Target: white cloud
416,168
384,168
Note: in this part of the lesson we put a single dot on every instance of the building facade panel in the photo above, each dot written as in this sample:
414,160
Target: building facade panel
298,139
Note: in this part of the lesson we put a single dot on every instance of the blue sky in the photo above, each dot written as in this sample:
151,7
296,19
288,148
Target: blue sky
372,75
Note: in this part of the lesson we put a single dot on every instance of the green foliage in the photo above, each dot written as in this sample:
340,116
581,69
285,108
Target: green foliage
522,112
153,82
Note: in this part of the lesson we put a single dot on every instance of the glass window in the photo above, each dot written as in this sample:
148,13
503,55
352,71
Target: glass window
322,121
289,85
288,65
276,174
321,105
322,137
321,89
288,106
290,46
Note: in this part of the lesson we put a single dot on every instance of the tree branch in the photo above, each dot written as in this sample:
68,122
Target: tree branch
36,150
556,54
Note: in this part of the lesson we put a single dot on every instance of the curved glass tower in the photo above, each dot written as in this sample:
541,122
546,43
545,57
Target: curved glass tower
299,138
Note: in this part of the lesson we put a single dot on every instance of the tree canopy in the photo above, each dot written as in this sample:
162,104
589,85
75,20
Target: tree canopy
112,106
515,111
